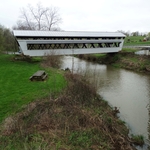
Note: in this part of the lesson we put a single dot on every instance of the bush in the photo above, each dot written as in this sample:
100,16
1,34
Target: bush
52,60
80,89
128,40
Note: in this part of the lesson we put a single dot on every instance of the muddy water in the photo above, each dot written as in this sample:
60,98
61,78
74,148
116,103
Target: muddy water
127,90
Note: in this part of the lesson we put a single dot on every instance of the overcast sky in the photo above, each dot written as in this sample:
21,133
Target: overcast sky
87,15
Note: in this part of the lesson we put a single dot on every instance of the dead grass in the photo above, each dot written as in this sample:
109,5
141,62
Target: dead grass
77,119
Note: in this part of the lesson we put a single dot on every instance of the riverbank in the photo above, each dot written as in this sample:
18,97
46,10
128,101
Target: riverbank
76,118
123,59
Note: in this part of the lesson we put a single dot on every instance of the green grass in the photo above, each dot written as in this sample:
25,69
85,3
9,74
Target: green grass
138,139
129,50
85,139
134,38
17,90
99,55
135,41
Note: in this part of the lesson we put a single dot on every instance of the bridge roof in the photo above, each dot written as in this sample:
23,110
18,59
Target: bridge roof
31,33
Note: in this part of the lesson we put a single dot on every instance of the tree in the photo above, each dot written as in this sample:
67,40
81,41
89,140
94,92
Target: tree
7,41
52,18
1,38
23,26
39,18
136,33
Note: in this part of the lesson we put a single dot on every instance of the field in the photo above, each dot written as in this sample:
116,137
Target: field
135,41
16,90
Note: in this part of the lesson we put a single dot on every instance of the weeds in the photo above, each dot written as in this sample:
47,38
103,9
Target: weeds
77,119
137,139
81,139
131,50
52,60
82,91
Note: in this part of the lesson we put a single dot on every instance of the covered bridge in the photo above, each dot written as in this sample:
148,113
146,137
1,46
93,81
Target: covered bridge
40,43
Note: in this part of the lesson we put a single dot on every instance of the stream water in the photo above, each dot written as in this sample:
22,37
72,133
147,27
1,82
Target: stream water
127,90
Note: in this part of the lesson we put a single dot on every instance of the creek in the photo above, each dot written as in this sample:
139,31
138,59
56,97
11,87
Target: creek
127,90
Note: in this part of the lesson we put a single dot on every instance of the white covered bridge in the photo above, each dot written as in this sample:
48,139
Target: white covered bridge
40,43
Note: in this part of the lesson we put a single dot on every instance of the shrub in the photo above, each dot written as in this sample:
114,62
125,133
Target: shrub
80,89
52,60
137,139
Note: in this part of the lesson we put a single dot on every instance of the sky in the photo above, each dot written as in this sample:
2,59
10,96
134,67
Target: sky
87,15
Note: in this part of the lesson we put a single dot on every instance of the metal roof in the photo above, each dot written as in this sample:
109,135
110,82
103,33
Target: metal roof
31,33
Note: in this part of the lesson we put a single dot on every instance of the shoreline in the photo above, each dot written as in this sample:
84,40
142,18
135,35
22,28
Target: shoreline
76,119
126,60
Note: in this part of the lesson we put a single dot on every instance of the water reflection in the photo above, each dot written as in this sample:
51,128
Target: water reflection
143,52
130,92
127,90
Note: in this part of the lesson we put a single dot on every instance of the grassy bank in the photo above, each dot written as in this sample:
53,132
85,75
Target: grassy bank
16,88
48,118
124,59
135,41
133,62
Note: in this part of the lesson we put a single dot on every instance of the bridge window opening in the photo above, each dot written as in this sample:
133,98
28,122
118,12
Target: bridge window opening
83,46
100,45
71,45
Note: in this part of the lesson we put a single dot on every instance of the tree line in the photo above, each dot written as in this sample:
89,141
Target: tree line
7,40
135,33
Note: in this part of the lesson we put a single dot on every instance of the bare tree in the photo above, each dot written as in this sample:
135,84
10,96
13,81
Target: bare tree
27,20
38,14
39,18
22,25
52,18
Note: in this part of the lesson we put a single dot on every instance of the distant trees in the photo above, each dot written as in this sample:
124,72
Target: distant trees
124,32
137,33
128,33
7,41
148,36
39,18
